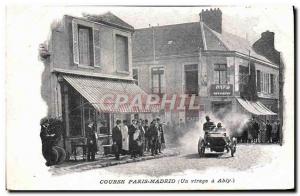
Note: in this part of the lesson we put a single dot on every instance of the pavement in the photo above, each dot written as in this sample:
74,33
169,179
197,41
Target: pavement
106,161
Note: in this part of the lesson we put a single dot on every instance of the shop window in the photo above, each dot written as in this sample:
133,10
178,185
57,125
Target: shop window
75,112
191,79
158,83
220,74
135,75
122,53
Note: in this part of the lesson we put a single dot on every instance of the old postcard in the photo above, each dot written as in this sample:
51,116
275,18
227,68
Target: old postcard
150,98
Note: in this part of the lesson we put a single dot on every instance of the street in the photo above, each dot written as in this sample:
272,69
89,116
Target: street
247,156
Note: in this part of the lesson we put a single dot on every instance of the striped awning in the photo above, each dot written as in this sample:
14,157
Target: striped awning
101,94
256,108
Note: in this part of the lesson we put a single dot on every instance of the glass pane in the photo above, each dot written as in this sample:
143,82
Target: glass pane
84,47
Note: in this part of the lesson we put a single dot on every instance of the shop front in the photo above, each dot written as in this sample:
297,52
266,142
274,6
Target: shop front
86,99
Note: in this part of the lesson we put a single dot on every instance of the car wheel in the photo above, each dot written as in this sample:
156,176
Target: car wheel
201,148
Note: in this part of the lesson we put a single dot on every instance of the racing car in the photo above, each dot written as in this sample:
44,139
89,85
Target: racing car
217,140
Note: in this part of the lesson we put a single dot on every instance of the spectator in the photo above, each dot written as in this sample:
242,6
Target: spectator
268,132
131,130
147,136
92,138
125,137
117,139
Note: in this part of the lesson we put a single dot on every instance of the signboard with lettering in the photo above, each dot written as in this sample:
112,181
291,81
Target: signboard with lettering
221,90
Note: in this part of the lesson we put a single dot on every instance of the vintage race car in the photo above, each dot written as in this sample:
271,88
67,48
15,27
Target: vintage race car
217,141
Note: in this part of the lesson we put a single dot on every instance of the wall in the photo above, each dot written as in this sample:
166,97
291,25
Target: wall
62,48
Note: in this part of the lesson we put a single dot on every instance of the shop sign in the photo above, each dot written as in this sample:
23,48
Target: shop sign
221,90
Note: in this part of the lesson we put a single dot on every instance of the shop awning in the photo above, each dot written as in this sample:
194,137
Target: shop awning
256,108
102,93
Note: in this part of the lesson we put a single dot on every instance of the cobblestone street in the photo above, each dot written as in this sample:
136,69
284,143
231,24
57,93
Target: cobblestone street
172,161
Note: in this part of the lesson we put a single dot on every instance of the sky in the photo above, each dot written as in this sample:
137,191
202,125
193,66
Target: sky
248,21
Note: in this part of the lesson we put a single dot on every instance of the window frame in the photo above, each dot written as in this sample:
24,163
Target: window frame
191,70
219,70
160,91
115,34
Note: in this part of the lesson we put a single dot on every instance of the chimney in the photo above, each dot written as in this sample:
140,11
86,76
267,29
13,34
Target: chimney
265,47
212,18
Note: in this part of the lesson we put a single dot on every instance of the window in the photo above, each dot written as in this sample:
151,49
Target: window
135,75
272,82
158,83
267,84
191,79
85,46
122,53
258,80
220,74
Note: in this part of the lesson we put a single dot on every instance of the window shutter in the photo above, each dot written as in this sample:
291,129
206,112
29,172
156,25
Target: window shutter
97,51
75,42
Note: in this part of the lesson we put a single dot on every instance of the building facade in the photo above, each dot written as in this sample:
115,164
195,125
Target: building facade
88,58
219,68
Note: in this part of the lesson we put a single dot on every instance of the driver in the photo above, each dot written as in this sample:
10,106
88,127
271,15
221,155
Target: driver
208,125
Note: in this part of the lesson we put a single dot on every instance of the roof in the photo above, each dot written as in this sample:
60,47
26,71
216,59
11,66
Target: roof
229,42
169,40
187,38
109,18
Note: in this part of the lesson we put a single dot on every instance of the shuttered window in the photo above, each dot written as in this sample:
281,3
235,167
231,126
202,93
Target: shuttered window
86,45
97,49
258,81
122,53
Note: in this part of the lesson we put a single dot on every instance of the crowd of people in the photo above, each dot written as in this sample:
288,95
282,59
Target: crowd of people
256,131
136,138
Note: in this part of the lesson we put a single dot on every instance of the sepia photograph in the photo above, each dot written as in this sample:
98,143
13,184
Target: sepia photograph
154,98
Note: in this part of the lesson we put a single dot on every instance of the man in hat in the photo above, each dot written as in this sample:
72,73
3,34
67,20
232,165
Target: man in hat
117,139
91,141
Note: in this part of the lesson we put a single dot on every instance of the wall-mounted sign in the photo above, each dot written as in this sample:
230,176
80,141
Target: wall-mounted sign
221,90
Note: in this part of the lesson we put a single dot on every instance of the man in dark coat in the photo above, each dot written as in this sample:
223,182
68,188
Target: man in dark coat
117,139
255,126
131,131
268,131
154,130
147,136
92,147
161,138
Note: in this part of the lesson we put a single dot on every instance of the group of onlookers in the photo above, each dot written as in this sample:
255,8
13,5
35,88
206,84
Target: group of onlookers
137,137
260,132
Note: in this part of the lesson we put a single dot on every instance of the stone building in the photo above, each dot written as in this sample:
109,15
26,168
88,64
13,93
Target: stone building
88,57
220,68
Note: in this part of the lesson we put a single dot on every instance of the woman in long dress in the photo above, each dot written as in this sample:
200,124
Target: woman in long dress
125,137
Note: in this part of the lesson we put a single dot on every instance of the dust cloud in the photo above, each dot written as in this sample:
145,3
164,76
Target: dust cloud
232,122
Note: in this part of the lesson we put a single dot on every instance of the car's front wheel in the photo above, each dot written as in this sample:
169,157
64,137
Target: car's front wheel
201,147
